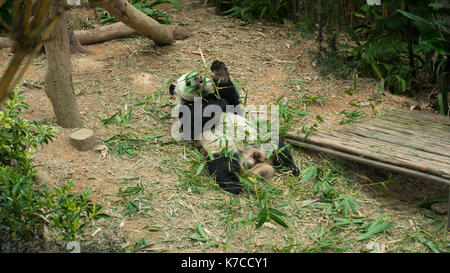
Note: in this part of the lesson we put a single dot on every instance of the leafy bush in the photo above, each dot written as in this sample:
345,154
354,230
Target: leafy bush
70,212
25,205
18,136
6,11
146,7
405,44
247,10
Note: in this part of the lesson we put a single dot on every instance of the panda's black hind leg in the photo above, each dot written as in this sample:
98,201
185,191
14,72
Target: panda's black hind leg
283,158
225,171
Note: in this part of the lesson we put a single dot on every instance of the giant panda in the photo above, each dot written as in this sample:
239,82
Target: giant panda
224,136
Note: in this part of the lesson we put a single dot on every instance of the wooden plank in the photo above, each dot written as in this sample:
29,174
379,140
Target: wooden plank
356,149
380,135
369,162
406,127
418,135
374,141
410,142
419,115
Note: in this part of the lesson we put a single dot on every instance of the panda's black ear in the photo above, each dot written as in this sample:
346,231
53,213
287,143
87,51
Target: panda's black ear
172,89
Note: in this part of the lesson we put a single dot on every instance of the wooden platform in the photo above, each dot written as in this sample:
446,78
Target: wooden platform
409,142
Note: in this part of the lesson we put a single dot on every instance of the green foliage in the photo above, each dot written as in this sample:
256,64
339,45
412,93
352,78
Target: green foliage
123,118
373,228
247,10
19,203
146,7
435,40
266,213
70,212
18,136
288,115
6,12
134,199
386,50
350,117
23,203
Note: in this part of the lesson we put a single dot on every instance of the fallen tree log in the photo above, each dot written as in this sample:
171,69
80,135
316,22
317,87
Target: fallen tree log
104,33
133,21
139,21
91,36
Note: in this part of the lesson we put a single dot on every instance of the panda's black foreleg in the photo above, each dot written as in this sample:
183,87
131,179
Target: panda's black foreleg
197,115
282,158
225,171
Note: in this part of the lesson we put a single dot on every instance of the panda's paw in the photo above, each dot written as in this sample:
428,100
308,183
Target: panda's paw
231,187
234,190
295,170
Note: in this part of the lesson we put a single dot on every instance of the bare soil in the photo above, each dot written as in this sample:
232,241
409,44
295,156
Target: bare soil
269,60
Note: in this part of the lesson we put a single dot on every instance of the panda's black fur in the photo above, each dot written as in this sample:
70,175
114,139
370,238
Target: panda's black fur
226,168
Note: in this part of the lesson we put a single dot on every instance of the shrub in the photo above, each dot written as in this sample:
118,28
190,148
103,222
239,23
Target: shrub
25,205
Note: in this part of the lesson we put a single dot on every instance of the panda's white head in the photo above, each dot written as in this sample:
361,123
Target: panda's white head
191,85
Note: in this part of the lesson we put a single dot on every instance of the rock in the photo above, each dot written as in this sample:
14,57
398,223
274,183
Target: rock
83,139
440,207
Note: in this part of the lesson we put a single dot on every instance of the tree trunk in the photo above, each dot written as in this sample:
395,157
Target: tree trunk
410,44
58,78
139,21
75,45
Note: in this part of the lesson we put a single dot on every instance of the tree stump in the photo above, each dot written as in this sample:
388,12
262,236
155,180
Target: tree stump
83,139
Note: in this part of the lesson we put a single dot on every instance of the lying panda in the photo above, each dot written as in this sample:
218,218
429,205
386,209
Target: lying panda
224,137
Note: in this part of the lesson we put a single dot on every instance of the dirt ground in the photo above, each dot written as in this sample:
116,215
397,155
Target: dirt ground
269,60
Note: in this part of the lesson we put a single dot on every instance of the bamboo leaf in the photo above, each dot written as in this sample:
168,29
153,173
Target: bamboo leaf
278,220
200,169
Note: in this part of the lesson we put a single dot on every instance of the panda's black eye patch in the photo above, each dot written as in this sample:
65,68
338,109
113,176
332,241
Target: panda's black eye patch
188,84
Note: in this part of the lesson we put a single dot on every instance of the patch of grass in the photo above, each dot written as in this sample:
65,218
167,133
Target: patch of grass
139,245
194,177
289,115
128,143
134,199
331,62
350,117
118,118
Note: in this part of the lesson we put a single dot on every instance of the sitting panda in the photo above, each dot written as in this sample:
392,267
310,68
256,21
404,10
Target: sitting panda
224,136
